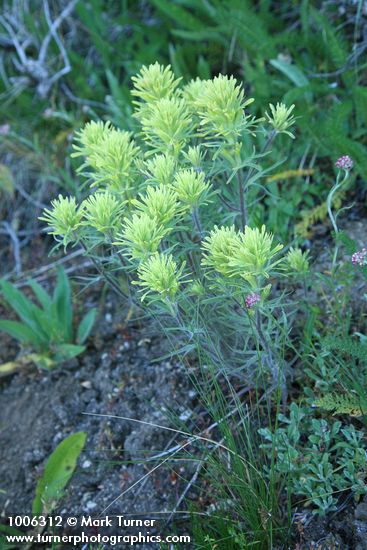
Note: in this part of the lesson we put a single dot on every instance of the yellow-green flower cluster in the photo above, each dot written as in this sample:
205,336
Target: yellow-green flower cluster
219,248
195,156
160,169
103,211
154,83
64,219
142,193
110,153
191,187
167,126
89,138
249,254
221,105
159,203
141,236
281,118
297,260
160,275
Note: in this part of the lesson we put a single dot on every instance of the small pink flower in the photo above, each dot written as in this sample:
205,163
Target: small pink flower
251,300
344,163
360,257
4,129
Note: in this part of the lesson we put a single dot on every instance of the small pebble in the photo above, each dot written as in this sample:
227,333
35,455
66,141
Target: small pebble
91,505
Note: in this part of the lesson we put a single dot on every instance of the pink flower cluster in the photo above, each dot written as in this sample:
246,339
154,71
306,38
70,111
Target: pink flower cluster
360,257
252,300
344,163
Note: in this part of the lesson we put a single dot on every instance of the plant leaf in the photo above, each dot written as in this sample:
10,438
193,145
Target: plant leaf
19,331
67,351
24,308
41,295
57,473
63,305
6,180
86,325
290,70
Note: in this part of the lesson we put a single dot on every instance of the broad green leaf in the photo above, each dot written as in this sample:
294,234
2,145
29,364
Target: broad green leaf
57,473
86,325
291,71
4,545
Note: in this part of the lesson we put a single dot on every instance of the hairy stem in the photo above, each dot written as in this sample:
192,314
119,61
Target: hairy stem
273,363
197,222
243,207
242,185
101,270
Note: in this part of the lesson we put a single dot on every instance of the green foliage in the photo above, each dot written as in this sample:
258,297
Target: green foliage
298,260
341,404
57,473
47,328
202,279
245,510
321,458
187,163
274,49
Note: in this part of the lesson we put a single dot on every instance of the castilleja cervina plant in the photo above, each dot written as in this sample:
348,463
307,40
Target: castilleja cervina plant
171,211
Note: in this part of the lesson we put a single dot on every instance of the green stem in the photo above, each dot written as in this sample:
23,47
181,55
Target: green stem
197,222
273,362
329,204
104,273
243,207
242,185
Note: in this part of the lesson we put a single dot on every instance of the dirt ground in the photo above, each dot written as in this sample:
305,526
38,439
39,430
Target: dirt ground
118,375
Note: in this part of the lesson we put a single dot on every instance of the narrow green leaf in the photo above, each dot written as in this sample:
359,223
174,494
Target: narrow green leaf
86,325
63,305
24,308
20,332
41,295
57,473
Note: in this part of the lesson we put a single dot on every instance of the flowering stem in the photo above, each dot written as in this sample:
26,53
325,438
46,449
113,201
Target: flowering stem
188,254
272,362
104,274
243,207
329,203
242,186
197,222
